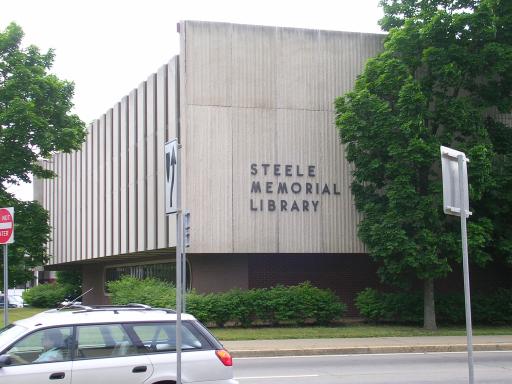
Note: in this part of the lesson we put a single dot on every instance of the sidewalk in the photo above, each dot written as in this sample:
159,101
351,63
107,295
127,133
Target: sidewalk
422,344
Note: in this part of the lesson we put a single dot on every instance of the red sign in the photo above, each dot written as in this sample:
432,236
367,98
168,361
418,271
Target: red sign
6,225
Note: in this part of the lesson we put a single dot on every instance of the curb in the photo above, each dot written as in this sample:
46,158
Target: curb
370,350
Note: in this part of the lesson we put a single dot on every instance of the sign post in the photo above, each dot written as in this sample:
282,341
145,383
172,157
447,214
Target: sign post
6,237
456,202
173,205
184,245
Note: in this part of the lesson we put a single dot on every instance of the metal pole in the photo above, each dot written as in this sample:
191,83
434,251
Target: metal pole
183,272
465,263
179,242
6,288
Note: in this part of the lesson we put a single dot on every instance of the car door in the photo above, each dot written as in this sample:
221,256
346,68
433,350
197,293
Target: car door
105,354
199,361
36,358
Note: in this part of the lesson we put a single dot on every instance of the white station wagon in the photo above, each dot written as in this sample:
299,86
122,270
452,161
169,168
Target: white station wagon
110,344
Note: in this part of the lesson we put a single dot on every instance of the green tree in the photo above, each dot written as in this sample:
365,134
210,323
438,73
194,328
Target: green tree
73,279
442,79
35,122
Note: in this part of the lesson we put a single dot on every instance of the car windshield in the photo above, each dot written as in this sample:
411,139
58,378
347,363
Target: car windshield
9,333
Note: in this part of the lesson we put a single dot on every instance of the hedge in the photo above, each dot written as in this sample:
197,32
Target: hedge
494,308
48,295
279,305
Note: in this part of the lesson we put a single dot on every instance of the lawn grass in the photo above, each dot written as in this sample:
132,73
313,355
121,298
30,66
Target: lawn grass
312,332
20,313
350,330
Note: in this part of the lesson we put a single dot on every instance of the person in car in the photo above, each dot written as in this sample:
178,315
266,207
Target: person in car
53,343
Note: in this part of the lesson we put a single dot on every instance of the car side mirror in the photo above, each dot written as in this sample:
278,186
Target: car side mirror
5,360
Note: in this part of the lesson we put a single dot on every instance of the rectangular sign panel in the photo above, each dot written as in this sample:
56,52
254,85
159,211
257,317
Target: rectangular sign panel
452,203
171,176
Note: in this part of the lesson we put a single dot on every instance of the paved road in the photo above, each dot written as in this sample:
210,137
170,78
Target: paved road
408,368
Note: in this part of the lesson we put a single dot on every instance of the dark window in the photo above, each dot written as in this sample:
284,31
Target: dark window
161,271
44,346
102,341
161,337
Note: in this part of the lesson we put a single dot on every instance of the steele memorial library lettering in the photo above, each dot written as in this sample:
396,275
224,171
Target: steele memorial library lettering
298,180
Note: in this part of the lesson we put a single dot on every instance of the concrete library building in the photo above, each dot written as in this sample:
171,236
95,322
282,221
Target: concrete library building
263,172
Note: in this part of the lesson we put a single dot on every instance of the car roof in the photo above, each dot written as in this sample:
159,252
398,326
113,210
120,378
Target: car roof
56,317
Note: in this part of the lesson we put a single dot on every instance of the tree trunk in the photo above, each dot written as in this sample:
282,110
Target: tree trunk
429,308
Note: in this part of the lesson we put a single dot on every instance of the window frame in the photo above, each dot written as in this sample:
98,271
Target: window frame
70,346
206,341
135,342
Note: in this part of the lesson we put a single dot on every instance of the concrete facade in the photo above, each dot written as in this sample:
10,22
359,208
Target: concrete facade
263,172
258,100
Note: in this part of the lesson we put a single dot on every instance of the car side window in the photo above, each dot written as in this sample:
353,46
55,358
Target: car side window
44,346
161,337
103,340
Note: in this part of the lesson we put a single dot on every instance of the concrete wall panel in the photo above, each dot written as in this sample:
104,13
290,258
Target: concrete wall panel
254,75
96,137
254,131
142,202
300,144
132,172
71,208
102,145
78,205
209,59
116,180
90,193
207,165
151,162
59,223
84,200
124,169
108,182
161,132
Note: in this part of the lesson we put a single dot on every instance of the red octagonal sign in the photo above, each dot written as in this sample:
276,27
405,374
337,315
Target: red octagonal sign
6,225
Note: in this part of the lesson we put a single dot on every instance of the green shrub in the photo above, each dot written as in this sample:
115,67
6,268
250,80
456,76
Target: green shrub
278,305
281,305
47,295
244,305
404,307
153,292
494,308
220,308
370,304
300,304
200,306
327,305
450,308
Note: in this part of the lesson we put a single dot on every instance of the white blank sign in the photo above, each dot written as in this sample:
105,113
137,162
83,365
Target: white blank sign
451,182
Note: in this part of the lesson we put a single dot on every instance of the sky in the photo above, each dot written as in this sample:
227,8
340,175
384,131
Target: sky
108,47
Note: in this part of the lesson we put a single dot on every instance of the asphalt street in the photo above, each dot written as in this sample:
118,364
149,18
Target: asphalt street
410,368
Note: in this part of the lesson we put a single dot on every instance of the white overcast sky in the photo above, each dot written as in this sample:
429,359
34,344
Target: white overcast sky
107,47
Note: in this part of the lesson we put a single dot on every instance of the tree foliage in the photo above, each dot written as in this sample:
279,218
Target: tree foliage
443,78
31,233
34,123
